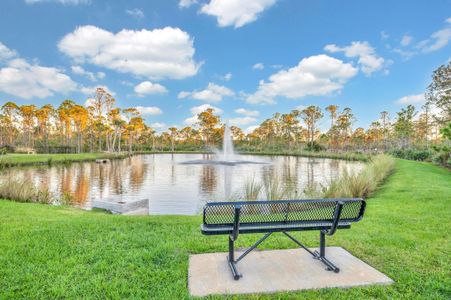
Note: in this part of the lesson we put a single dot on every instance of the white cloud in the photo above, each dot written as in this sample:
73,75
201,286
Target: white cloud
411,99
195,110
448,20
438,40
147,88
236,13
186,3
6,53
368,60
158,125
249,113
317,75
227,77
22,79
406,40
258,66
65,2
91,90
149,110
135,13
250,129
90,75
155,54
212,93
242,121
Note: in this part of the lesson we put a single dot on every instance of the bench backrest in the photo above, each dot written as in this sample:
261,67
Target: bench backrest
283,211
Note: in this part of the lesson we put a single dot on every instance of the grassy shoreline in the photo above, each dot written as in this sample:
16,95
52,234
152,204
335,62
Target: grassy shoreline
63,252
13,160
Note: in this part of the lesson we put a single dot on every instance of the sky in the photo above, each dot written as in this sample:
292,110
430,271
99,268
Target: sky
246,59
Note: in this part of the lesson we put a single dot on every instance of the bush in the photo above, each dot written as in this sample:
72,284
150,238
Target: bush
442,156
412,154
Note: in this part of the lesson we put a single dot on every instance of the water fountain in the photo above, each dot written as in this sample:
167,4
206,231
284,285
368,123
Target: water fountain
225,157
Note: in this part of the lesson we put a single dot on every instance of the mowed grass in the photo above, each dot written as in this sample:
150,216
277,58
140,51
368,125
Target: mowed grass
14,159
62,252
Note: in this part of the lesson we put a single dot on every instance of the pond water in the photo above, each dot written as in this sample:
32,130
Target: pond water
173,187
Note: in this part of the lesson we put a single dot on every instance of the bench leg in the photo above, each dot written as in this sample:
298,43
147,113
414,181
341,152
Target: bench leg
322,254
231,260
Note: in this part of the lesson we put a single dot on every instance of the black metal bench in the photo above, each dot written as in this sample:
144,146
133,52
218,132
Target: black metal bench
325,215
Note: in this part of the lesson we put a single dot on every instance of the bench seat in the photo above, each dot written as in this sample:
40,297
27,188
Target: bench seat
271,227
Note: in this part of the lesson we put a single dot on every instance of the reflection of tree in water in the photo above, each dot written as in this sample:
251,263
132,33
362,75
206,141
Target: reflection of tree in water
208,179
138,171
334,168
312,164
66,178
81,186
116,171
290,171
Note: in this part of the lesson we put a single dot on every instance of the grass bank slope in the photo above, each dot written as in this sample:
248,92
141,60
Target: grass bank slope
10,160
61,252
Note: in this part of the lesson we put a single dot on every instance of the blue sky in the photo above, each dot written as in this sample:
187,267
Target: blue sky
248,59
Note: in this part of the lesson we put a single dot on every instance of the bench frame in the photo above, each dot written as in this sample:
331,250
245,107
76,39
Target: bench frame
321,255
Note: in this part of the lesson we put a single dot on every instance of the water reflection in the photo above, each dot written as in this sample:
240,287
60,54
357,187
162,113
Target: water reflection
174,188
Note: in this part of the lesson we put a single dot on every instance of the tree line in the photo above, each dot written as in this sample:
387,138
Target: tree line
101,126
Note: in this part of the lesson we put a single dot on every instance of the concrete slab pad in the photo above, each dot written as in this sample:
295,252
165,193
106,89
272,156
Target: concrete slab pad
278,270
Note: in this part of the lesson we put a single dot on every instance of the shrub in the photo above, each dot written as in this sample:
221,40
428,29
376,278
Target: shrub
412,154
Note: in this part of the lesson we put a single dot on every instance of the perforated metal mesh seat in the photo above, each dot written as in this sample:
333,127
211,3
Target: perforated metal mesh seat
280,215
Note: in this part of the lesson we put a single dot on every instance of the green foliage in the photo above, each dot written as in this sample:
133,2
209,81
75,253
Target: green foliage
412,154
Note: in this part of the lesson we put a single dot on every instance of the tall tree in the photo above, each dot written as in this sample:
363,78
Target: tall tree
311,115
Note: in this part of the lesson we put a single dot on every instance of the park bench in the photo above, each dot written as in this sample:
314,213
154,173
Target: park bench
268,217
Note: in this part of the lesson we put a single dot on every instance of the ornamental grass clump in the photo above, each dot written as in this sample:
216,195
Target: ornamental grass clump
362,184
23,191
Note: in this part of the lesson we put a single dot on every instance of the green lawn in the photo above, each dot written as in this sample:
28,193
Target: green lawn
62,252
31,159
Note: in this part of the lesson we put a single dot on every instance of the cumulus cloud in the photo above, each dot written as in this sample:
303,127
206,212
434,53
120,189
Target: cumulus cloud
195,110
249,113
186,3
437,40
242,121
258,66
317,75
236,13
411,99
135,13
368,60
147,88
149,110
6,53
90,75
27,80
64,2
212,93
91,90
155,54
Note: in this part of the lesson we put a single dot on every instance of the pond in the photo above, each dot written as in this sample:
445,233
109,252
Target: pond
173,187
